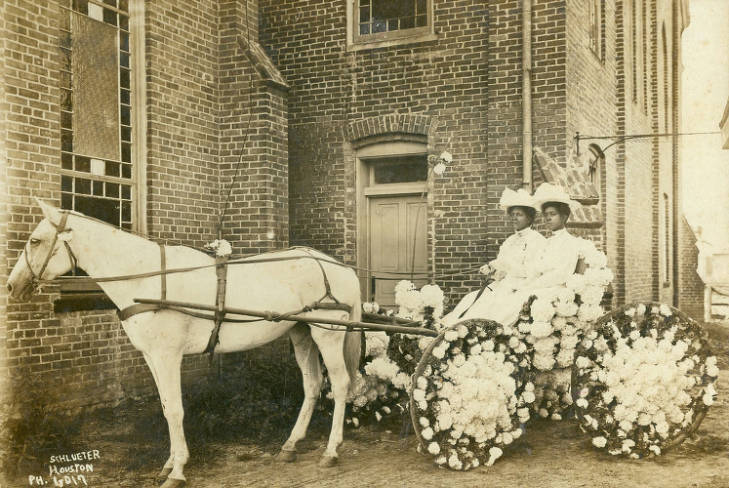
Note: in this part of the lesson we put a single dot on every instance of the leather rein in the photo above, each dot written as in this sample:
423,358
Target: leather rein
36,278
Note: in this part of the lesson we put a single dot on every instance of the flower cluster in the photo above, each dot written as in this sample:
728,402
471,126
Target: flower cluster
440,163
382,386
554,323
220,247
643,380
471,394
424,305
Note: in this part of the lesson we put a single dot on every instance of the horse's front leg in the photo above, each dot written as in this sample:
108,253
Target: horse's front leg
331,345
166,369
307,356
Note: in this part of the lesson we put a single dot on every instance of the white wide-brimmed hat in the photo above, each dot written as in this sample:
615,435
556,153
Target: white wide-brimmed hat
548,192
519,198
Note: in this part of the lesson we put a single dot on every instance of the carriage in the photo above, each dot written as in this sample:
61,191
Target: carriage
174,301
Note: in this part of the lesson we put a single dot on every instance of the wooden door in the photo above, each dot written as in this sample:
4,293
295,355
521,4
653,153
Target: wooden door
398,243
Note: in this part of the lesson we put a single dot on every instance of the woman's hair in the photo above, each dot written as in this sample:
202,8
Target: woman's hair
561,207
529,211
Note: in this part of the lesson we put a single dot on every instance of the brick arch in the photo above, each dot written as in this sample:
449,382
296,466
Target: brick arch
410,126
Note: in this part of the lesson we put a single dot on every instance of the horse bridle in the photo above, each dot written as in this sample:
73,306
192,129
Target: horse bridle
60,227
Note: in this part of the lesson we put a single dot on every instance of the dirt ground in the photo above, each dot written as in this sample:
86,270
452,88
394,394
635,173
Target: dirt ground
550,455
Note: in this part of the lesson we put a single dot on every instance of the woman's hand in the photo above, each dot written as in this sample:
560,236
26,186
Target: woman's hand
485,269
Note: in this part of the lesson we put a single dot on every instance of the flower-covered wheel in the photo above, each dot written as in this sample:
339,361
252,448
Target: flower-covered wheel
471,394
643,380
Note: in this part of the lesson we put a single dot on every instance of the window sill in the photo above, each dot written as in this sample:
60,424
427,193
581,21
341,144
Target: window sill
364,44
78,302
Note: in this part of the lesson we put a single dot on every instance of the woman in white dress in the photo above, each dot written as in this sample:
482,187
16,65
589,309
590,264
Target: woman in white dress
553,262
517,255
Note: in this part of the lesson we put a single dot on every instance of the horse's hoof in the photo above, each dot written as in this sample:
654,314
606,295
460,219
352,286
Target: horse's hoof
162,476
328,461
173,483
286,456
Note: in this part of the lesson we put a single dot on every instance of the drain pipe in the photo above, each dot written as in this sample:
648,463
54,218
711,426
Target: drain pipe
526,94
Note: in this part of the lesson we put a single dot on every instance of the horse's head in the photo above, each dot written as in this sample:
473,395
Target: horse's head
46,255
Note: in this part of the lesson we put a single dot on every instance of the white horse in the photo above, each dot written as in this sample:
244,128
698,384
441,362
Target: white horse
164,336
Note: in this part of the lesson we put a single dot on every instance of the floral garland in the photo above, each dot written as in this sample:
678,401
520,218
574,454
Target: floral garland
471,394
553,324
643,380
383,384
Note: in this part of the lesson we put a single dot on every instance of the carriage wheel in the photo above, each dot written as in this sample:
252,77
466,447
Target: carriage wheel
656,321
455,348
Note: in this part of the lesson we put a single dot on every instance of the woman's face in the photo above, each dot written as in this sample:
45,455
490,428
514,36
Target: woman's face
519,218
555,220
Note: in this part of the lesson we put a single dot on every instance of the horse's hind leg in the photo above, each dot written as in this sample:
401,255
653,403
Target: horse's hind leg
307,356
331,345
166,368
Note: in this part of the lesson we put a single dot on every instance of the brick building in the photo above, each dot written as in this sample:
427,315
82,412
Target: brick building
336,107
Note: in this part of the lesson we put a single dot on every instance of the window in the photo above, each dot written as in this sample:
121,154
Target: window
102,121
634,49
388,22
596,16
644,56
594,167
97,116
666,81
666,240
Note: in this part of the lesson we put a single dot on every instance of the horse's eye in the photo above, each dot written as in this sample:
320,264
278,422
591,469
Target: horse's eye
34,241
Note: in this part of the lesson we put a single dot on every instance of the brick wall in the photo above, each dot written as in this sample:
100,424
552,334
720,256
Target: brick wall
332,88
195,74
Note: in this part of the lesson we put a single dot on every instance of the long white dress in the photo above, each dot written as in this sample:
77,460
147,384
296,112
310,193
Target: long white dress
552,265
517,256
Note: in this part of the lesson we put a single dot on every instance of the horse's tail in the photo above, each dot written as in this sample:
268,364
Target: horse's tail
353,343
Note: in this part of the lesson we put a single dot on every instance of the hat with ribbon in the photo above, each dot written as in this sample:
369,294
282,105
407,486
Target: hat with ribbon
519,198
548,192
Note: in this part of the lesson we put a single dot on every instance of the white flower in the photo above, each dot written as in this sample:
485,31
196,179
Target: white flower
665,310
592,295
220,246
446,157
439,352
424,422
582,362
494,454
599,441
542,310
708,399
433,448
454,462
432,296
404,286
582,403
529,397
712,370
439,168
655,450
541,329
640,309
427,433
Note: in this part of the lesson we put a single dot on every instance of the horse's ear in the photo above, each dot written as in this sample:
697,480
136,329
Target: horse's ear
49,211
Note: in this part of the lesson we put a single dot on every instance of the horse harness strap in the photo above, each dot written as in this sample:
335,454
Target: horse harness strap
221,271
221,268
60,227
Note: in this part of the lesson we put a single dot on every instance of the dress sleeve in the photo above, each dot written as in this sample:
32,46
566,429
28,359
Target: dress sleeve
501,263
562,266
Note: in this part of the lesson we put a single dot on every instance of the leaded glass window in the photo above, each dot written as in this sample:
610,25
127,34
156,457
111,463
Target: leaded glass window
96,110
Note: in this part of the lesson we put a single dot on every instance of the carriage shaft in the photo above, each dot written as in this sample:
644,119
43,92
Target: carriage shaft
296,317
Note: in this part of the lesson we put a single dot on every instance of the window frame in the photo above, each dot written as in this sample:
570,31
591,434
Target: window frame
596,32
79,294
356,41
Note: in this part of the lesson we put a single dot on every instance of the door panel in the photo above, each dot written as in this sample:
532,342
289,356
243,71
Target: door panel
397,232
